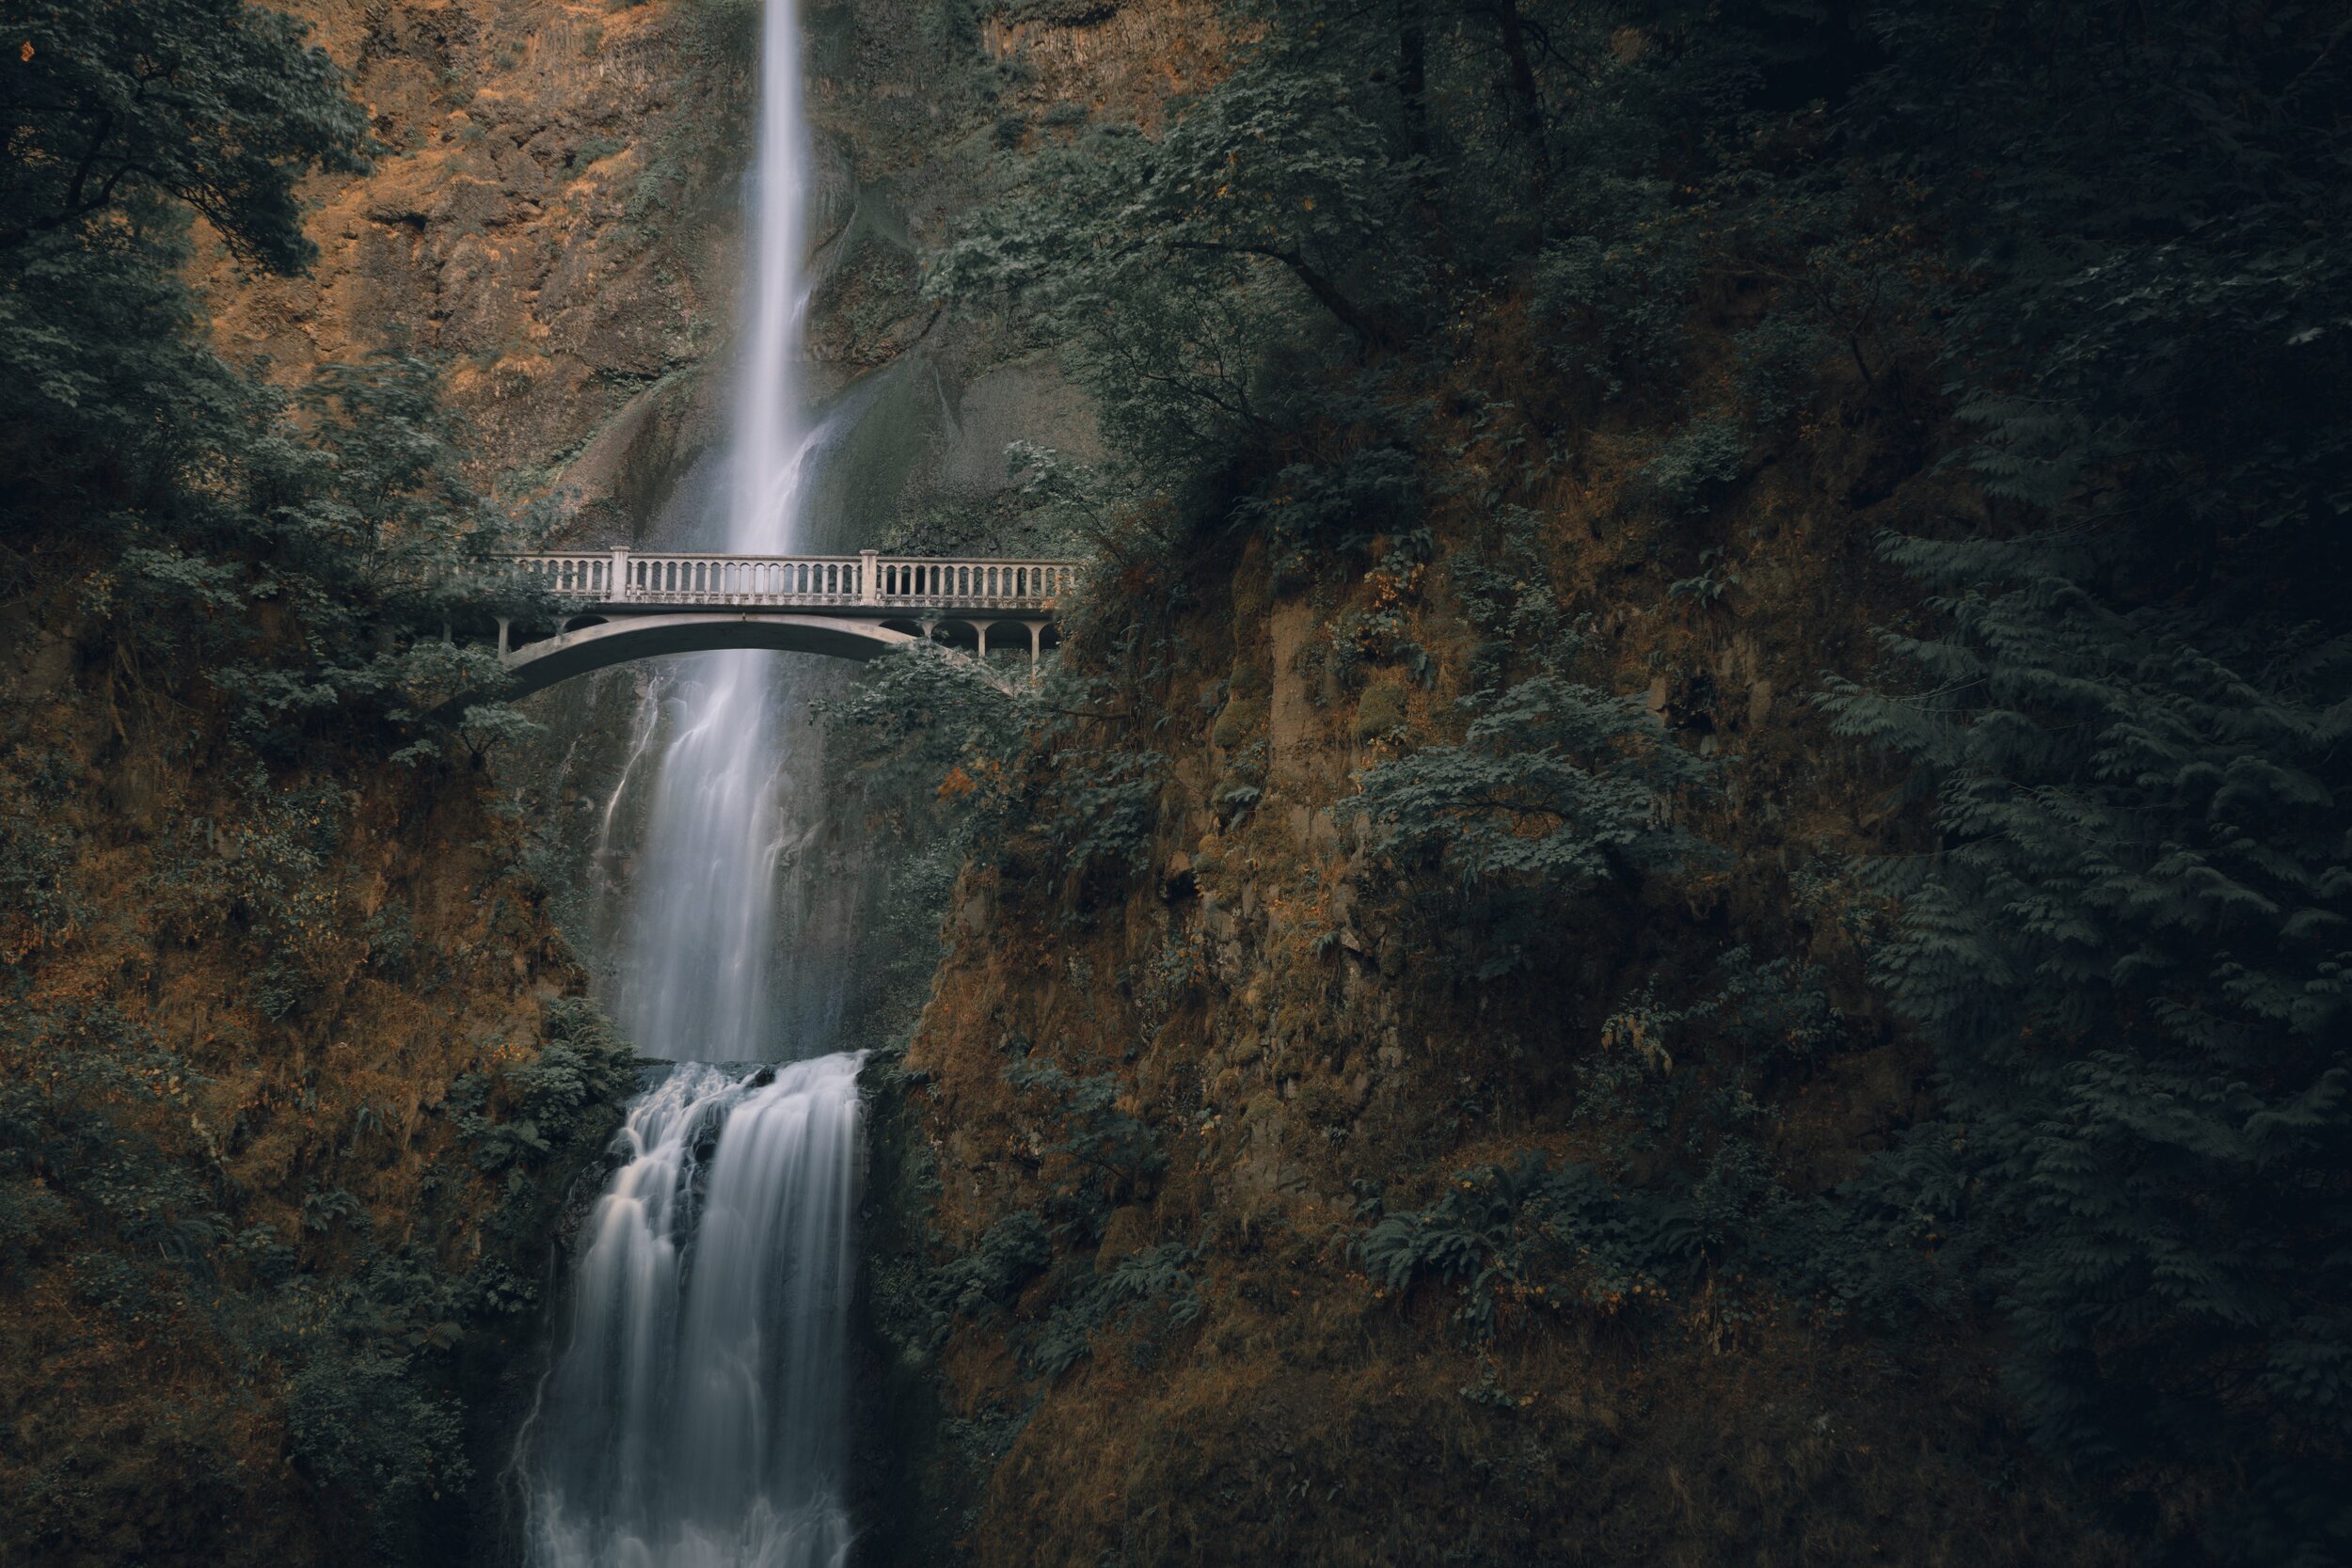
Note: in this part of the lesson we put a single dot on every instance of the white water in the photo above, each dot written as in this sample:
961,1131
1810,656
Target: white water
694,1415
694,1418
695,973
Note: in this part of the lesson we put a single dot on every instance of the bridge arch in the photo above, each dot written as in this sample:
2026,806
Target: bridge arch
536,666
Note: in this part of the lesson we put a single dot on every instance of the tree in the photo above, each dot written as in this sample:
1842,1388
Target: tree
109,106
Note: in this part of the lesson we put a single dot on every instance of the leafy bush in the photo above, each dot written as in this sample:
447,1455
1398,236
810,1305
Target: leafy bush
1619,285
1104,808
1159,1276
360,1423
1555,785
1106,1154
1530,1238
1704,453
1015,1250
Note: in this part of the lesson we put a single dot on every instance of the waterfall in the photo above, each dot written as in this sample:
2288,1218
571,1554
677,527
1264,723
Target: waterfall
694,976
695,1417
694,1414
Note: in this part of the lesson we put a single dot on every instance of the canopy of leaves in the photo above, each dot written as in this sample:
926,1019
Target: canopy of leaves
300,555
1555,783
108,109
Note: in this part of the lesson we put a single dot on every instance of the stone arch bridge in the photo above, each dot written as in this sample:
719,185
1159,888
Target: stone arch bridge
620,605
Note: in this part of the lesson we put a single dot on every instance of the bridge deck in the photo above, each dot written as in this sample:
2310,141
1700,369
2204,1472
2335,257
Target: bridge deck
864,584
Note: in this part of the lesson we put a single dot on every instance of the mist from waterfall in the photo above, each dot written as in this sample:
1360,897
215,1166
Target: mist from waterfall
693,1417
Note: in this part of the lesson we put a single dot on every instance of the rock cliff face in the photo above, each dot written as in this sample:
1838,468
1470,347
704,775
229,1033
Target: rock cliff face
536,219
1151,1114
292,1052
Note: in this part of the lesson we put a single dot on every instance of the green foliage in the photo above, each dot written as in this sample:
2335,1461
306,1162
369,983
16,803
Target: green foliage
1619,283
1015,1250
1018,1249
98,1182
1166,267
2113,241
1105,1155
1703,454
1343,504
1555,785
361,1425
37,850
553,1102
301,555
2128,949
1105,809
1532,1238
109,109
1158,1278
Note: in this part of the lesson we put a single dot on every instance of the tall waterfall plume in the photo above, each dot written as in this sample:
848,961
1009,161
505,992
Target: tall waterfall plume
693,1417
695,973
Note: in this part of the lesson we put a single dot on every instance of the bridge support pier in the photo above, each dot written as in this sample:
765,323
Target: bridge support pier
504,625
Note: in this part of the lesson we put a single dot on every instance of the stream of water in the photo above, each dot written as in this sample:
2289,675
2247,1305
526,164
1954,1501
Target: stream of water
694,1414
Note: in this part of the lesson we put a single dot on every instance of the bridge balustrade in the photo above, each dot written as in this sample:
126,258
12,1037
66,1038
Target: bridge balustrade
866,581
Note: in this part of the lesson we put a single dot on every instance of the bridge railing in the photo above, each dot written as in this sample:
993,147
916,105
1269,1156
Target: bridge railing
866,581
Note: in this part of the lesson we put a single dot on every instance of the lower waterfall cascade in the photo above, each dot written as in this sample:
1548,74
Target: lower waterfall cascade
695,1418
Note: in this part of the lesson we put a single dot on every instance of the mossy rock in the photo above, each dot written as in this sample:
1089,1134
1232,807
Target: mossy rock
1240,720
1252,594
1248,680
1380,712
1063,13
